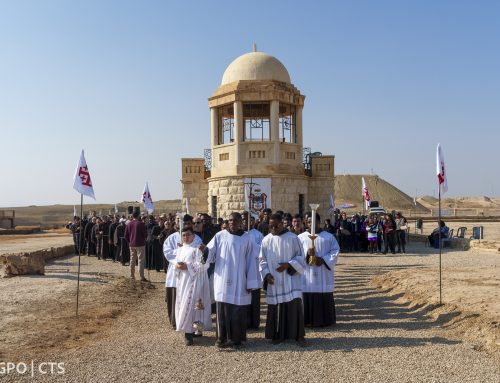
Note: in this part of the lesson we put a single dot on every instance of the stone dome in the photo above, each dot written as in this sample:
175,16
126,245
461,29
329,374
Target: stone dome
255,66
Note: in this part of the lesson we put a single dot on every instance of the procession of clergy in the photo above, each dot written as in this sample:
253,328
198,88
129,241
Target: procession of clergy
224,273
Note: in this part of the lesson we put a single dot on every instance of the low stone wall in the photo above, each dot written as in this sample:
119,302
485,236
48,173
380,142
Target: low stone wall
455,243
29,263
20,231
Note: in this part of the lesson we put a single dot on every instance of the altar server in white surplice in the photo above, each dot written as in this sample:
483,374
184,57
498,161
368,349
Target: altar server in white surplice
192,304
253,317
235,275
170,248
318,279
281,265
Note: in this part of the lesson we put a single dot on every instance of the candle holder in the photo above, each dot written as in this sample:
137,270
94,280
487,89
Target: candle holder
312,258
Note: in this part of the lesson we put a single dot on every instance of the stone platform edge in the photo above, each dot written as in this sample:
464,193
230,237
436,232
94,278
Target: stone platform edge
31,262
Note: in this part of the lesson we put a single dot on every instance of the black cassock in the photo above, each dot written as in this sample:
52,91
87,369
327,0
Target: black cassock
104,245
89,228
154,250
122,248
111,237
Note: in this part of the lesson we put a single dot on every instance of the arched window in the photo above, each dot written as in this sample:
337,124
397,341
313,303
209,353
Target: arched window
256,122
287,123
226,124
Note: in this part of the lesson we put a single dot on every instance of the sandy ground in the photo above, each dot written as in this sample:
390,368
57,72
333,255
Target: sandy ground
390,327
32,242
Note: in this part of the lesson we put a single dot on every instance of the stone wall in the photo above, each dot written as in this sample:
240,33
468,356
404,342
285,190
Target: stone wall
197,193
285,191
319,192
230,193
29,263
194,185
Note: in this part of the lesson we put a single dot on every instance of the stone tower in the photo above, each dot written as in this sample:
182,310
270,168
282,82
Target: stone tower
256,146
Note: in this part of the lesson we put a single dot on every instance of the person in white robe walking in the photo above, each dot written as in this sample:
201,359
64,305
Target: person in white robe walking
192,305
318,279
170,248
235,275
282,264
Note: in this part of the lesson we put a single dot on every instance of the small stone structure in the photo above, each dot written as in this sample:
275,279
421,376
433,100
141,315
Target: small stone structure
8,215
256,133
30,262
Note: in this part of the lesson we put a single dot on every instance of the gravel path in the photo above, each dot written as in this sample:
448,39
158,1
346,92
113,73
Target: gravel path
377,339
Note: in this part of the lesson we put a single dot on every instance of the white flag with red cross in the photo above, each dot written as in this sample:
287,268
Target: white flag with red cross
441,173
81,181
366,195
331,208
146,199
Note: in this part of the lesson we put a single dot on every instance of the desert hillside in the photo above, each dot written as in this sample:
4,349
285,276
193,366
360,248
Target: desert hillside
56,215
348,191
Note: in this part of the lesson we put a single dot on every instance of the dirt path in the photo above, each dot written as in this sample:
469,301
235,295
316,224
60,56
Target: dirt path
378,338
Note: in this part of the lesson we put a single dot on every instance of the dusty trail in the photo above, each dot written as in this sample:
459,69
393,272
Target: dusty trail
378,338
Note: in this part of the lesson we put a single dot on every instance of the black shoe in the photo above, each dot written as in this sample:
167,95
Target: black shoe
188,339
301,342
235,345
221,343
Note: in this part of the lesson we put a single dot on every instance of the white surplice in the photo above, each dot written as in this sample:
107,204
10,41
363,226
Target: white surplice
320,279
275,250
192,285
170,249
257,238
235,270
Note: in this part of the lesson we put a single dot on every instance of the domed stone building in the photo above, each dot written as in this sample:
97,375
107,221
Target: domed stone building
257,158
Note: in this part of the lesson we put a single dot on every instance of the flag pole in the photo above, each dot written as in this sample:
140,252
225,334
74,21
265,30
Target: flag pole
440,244
79,255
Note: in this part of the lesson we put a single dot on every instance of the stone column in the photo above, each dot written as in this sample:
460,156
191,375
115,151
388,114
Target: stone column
238,130
275,133
214,125
298,124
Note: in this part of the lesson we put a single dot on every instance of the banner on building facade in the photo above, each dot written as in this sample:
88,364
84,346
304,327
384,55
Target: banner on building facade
257,195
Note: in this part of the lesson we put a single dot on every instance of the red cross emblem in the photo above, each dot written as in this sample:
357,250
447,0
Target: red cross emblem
84,175
441,175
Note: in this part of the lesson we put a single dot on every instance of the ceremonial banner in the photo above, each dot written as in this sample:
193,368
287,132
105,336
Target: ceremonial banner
441,174
146,199
331,208
365,194
81,181
257,195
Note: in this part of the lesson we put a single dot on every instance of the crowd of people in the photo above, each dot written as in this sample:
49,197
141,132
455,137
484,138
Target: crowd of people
221,267
375,233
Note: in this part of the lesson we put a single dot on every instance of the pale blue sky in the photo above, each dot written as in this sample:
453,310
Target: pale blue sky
385,81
